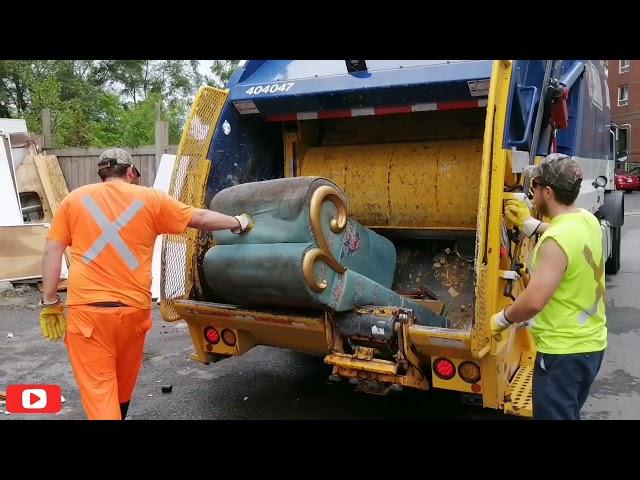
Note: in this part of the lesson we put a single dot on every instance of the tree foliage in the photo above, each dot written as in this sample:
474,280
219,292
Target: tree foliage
105,102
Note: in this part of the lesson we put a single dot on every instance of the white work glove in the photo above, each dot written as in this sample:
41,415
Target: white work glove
499,323
245,221
530,226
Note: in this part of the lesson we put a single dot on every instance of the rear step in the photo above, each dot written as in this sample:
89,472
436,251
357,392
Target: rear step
519,391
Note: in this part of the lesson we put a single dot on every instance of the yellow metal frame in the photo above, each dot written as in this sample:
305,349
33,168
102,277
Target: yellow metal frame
188,184
252,327
490,208
500,360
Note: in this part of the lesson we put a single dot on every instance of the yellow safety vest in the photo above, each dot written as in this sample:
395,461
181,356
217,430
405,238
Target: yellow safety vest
574,320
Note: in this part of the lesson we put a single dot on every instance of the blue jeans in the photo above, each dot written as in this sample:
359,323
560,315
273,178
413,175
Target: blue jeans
561,384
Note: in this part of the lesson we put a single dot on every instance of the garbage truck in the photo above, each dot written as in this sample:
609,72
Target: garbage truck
378,190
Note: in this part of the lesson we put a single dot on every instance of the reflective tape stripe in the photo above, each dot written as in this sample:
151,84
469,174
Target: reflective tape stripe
110,231
598,271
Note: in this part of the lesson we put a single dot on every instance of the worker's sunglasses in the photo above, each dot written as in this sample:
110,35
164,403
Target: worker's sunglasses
135,170
535,183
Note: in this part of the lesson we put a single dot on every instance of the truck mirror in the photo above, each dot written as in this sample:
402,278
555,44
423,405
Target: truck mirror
600,181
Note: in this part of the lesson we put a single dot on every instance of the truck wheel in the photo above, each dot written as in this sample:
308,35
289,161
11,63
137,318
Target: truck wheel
613,264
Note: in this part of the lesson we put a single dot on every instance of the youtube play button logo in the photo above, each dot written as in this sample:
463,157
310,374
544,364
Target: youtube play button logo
34,399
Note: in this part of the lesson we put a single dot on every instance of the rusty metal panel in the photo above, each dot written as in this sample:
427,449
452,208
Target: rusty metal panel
368,365
419,185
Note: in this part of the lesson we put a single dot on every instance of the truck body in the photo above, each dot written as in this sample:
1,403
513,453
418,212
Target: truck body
420,156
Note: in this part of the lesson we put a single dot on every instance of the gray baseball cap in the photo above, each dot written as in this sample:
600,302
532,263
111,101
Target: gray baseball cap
114,156
558,171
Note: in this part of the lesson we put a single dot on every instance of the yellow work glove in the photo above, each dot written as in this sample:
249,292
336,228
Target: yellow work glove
519,215
245,221
52,321
499,323
517,212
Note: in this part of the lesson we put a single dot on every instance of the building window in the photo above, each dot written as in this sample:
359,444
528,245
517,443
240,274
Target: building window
625,65
623,95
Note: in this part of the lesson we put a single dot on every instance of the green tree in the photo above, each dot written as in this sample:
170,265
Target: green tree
138,122
222,71
104,102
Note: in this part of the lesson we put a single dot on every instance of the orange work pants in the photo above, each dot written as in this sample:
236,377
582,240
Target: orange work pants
105,349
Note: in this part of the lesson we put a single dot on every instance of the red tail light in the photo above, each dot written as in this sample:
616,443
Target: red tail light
444,368
211,335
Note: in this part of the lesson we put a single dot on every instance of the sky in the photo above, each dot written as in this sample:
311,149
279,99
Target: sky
204,67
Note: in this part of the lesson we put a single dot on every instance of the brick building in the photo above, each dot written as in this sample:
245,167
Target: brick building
624,89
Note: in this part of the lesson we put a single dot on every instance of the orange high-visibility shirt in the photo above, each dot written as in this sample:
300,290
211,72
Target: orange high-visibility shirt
111,228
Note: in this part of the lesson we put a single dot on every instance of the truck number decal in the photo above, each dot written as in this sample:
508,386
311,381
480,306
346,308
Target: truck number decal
276,87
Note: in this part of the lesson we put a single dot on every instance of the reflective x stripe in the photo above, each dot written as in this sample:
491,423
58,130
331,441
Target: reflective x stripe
598,270
110,232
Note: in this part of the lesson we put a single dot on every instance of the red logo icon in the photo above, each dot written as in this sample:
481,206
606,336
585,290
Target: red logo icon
34,399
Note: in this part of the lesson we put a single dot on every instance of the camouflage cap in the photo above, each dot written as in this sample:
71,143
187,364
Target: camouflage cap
559,171
114,156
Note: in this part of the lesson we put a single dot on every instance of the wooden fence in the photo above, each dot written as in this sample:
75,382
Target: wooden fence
80,165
